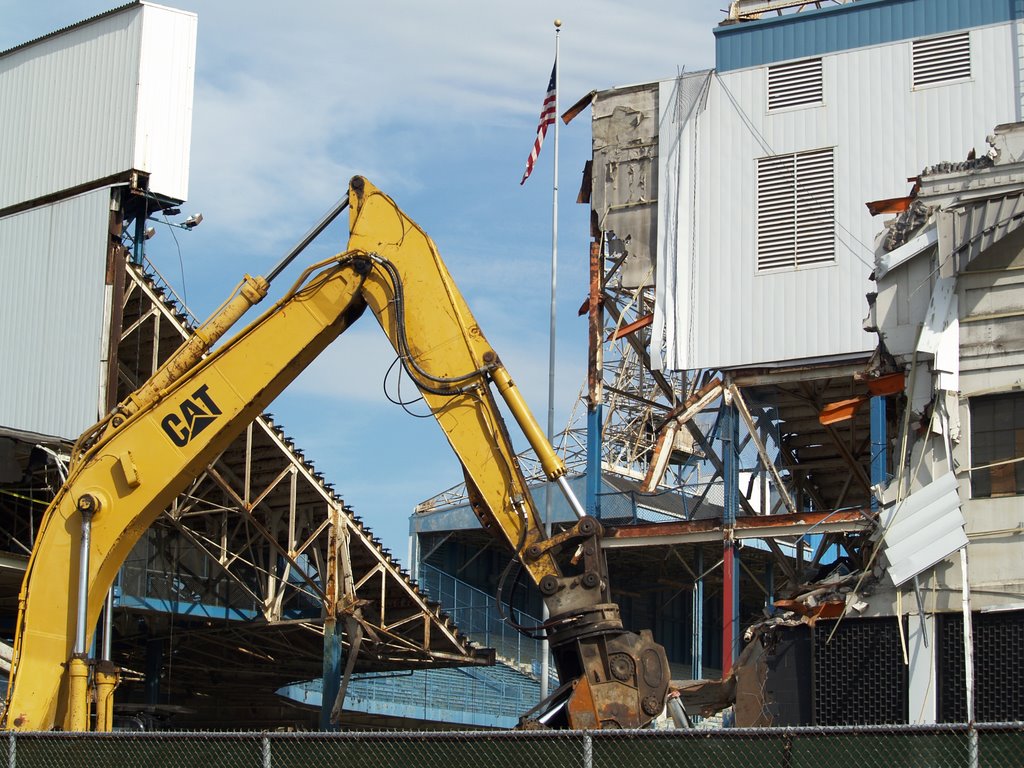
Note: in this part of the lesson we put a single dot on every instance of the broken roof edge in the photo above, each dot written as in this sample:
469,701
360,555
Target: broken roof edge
602,92
947,185
855,364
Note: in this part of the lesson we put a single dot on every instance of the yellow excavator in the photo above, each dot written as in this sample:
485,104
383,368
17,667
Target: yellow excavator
132,464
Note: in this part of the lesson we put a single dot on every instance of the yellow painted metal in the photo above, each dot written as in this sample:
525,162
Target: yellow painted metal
161,437
182,429
250,292
444,342
107,676
78,683
551,462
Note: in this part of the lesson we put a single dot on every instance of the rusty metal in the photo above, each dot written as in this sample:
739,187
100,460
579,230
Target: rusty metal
841,410
746,527
595,320
673,421
585,528
627,699
632,327
759,377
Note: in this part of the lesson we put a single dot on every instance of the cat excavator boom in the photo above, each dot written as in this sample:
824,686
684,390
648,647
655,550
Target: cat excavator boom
132,464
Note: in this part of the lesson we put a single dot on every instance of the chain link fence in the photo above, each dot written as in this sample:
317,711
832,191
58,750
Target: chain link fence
944,746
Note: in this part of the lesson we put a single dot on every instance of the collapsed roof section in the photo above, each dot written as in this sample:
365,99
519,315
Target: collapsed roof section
945,550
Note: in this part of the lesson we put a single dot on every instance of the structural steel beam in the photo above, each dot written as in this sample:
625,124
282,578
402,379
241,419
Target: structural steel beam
759,527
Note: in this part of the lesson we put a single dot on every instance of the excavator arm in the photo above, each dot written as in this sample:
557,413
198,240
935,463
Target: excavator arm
132,464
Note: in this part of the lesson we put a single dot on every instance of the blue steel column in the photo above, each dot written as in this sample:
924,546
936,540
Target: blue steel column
730,565
595,364
139,238
154,664
331,683
697,647
594,422
878,444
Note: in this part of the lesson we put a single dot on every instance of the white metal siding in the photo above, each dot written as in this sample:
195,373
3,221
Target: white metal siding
883,132
53,259
90,102
163,133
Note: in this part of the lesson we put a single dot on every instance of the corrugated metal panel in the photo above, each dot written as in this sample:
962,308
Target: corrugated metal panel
89,103
980,226
849,26
51,314
681,102
163,132
923,529
56,32
883,132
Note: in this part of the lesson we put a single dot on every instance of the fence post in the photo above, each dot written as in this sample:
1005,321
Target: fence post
588,750
972,746
266,751
12,750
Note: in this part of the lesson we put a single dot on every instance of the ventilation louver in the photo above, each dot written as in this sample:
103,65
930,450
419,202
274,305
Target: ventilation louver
795,84
940,59
795,210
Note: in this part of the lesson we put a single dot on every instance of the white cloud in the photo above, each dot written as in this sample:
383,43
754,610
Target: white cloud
288,105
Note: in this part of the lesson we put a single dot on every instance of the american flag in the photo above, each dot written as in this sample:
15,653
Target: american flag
547,117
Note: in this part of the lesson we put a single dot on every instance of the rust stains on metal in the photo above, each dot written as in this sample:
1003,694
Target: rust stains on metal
629,328
888,205
671,428
745,528
582,709
889,384
595,322
841,410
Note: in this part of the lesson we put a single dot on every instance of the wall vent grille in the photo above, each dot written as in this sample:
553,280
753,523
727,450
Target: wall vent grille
796,84
796,210
941,59
998,672
859,677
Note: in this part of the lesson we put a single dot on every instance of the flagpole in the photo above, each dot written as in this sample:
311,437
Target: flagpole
551,353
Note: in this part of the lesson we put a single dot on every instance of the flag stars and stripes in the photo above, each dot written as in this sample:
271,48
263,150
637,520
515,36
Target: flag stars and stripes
547,117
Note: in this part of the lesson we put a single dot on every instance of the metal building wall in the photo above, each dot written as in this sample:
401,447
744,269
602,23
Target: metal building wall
814,32
163,129
883,133
100,98
79,108
52,303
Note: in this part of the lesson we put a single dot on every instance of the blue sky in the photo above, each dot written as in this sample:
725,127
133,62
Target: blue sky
437,104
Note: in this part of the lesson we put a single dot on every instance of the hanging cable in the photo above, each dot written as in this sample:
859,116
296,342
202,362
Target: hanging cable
415,371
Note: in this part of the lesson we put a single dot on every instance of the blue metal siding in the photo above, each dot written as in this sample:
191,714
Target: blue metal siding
854,25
